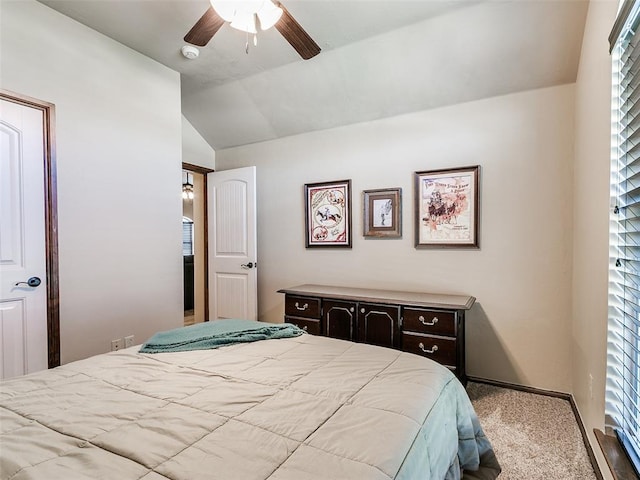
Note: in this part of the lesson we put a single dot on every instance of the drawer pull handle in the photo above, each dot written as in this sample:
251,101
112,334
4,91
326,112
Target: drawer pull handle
302,308
428,324
433,349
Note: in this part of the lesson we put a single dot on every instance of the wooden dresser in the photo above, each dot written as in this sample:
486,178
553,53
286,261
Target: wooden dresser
426,324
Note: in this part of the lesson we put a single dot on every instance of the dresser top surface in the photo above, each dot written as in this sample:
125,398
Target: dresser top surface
432,300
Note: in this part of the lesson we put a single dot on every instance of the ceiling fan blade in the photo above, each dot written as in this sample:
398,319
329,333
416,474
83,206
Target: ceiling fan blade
205,28
296,36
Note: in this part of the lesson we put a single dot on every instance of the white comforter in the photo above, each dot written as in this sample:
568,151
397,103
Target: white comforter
303,408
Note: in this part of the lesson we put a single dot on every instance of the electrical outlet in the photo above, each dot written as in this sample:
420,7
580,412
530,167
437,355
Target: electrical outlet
128,341
591,386
116,344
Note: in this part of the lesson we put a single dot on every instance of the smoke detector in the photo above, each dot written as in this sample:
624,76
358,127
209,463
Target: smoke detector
190,52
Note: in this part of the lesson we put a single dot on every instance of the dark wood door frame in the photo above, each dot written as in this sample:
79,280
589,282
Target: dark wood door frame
204,171
51,219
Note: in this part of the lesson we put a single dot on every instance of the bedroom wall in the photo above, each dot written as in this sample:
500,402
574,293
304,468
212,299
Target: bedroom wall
195,149
591,220
519,329
118,139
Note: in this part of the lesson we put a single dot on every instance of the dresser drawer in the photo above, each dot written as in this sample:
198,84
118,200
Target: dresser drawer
308,307
306,324
432,322
442,350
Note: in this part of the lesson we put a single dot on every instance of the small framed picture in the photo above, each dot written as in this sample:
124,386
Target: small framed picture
328,214
446,214
382,213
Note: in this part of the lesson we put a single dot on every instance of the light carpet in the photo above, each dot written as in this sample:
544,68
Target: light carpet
534,436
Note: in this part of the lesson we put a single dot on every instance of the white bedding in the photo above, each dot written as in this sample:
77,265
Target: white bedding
303,408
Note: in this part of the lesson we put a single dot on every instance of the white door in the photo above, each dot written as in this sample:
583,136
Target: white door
233,274
23,303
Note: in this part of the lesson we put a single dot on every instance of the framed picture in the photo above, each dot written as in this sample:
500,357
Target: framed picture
447,208
328,214
382,213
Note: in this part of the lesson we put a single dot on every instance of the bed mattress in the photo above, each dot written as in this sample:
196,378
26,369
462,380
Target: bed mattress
303,408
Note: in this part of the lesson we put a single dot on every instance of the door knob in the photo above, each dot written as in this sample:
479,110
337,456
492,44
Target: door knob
32,282
249,265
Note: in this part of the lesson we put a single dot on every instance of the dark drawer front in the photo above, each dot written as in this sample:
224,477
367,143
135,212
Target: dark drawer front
308,325
442,350
433,322
307,307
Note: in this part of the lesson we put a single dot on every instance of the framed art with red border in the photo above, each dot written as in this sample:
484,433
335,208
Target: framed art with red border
328,214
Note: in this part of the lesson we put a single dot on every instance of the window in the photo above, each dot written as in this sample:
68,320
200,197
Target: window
187,236
623,343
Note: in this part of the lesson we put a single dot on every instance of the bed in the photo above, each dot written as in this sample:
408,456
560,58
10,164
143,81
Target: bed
299,408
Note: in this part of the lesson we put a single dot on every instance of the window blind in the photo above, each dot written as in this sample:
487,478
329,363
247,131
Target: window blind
623,342
187,237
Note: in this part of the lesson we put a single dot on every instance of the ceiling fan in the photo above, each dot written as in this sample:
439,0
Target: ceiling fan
248,15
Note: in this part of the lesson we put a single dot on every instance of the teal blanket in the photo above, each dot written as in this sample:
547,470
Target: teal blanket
216,334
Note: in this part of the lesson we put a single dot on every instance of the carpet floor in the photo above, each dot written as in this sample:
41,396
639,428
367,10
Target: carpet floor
535,437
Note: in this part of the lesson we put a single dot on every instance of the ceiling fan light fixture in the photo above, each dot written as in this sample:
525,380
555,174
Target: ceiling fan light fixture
245,21
225,8
241,13
269,15
261,13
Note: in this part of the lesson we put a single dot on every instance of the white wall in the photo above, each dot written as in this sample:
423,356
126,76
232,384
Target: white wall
591,219
118,140
195,149
519,329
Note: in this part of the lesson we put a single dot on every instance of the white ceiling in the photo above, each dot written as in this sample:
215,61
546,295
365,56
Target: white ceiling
379,58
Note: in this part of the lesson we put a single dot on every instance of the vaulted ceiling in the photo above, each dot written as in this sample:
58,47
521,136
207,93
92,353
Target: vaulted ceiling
379,58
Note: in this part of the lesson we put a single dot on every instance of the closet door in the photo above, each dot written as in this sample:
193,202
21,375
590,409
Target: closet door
23,269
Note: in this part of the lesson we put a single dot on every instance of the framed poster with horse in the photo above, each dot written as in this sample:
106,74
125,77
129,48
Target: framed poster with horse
328,214
447,208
